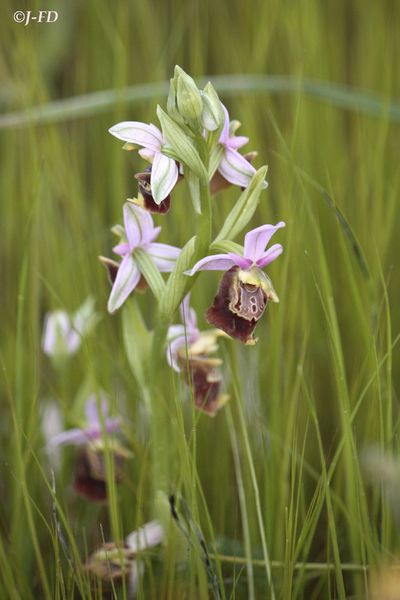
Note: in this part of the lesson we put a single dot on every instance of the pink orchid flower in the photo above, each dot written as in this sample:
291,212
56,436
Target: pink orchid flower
139,233
164,170
254,254
233,166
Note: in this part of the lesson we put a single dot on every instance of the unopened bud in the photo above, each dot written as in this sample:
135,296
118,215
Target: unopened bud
172,107
188,98
212,116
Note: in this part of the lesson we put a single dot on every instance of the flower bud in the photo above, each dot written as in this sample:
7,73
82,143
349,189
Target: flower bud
212,117
188,98
172,107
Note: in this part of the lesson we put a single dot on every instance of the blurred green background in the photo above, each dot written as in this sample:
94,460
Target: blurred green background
321,385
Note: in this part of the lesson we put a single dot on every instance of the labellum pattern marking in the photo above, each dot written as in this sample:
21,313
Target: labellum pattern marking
248,301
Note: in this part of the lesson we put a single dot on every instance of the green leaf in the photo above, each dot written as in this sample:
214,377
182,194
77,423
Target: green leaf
182,145
244,208
226,246
150,272
194,187
177,281
100,102
215,159
137,341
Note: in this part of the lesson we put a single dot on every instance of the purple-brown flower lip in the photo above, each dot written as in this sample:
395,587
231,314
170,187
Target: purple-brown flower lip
145,194
90,478
240,302
203,374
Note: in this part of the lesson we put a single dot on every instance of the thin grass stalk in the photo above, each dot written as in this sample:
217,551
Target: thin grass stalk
253,476
242,503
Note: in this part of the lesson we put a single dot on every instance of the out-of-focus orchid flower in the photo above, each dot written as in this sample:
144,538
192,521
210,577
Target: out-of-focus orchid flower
183,335
63,332
234,167
112,562
90,471
164,171
139,233
93,428
188,352
90,478
244,289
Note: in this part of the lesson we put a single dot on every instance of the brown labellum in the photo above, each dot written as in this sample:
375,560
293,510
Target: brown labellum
240,302
90,473
144,188
203,374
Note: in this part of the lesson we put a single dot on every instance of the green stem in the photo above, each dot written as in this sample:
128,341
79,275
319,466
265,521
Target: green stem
205,222
161,447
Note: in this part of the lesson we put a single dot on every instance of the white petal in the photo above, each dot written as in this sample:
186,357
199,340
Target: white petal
135,132
235,168
147,536
127,278
163,255
164,175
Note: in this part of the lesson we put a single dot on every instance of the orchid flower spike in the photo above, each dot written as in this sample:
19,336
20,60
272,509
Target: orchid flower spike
164,171
233,166
93,428
139,232
63,332
244,289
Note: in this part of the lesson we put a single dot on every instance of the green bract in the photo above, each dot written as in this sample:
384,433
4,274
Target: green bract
244,208
183,147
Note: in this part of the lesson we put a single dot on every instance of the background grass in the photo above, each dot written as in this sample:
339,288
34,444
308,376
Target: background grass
279,468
